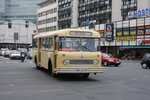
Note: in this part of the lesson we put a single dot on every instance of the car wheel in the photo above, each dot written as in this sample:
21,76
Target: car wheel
105,63
144,66
116,65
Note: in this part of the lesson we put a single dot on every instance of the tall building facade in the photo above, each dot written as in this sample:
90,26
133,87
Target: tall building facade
19,10
47,16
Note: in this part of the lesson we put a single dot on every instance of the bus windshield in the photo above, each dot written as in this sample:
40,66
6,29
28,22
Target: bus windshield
78,44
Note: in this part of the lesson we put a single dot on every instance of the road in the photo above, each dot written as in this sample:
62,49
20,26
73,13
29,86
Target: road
22,81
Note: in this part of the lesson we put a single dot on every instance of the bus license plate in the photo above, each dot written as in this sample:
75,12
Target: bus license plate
81,70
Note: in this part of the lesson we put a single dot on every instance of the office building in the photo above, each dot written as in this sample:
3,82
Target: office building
19,10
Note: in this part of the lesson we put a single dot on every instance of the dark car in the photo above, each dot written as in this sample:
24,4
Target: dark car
146,61
109,60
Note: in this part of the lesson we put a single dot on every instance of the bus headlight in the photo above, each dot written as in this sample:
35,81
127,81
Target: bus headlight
66,62
95,62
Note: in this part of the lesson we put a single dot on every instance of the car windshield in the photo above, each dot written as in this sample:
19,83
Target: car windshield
105,55
78,44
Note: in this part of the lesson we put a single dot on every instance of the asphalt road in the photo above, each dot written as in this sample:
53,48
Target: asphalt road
22,81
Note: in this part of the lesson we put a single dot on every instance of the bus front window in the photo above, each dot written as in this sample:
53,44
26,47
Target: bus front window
78,44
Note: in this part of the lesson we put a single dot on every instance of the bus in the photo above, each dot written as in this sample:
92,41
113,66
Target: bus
68,51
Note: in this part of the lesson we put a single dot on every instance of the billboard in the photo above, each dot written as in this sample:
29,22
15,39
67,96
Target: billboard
109,32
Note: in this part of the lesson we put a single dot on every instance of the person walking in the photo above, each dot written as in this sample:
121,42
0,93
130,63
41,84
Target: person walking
22,55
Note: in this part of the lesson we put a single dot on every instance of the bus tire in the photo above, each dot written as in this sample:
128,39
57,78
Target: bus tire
37,66
86,75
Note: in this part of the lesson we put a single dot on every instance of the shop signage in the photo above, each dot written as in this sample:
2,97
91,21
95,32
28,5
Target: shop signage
139,13
109,32
125,38
144,42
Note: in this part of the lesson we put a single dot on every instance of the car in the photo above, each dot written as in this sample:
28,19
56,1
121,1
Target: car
7,53
110,60
2,51
145,63
15,55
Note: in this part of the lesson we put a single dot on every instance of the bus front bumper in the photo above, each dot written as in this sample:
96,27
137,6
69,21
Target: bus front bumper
79,70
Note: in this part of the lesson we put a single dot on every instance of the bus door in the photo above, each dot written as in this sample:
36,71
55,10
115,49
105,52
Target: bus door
39,50
55,50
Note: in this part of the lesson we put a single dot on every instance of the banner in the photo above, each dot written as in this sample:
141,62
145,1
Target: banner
109,32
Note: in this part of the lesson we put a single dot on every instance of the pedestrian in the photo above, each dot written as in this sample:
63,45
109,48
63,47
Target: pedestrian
22,55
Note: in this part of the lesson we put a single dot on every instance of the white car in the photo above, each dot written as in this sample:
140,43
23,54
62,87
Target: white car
15,55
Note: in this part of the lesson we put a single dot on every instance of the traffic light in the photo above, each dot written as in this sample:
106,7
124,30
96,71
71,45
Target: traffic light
9,24
26,24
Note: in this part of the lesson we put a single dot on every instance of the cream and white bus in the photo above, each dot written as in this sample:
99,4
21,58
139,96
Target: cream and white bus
71,51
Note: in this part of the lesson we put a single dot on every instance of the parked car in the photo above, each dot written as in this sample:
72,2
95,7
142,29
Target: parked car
7,53
2,51
146,61
15,55
109,60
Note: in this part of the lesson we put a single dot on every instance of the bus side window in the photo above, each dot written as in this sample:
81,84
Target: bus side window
50,44
43,43
34,44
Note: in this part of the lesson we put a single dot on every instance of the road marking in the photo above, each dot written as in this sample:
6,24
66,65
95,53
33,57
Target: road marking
24,79
134,78
120,82
5,93
145,76
32,91
11,85
7,62
9,73
95,86
53,90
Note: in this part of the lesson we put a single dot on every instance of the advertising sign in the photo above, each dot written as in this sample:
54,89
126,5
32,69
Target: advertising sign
109,32
139,13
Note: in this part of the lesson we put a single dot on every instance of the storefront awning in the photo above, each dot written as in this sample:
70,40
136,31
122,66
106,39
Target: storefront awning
138,46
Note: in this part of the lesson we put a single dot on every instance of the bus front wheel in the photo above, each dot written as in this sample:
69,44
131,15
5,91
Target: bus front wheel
86,75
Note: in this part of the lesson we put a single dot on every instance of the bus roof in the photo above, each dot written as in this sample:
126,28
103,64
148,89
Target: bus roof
66,32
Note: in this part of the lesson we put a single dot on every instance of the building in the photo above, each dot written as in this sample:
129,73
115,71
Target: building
17,35
67,13
19,10
124,25
47,16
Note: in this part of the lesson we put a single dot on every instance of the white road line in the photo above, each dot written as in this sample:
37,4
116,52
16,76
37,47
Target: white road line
95,86
5,93
120,82
145,76
32,91
135,78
